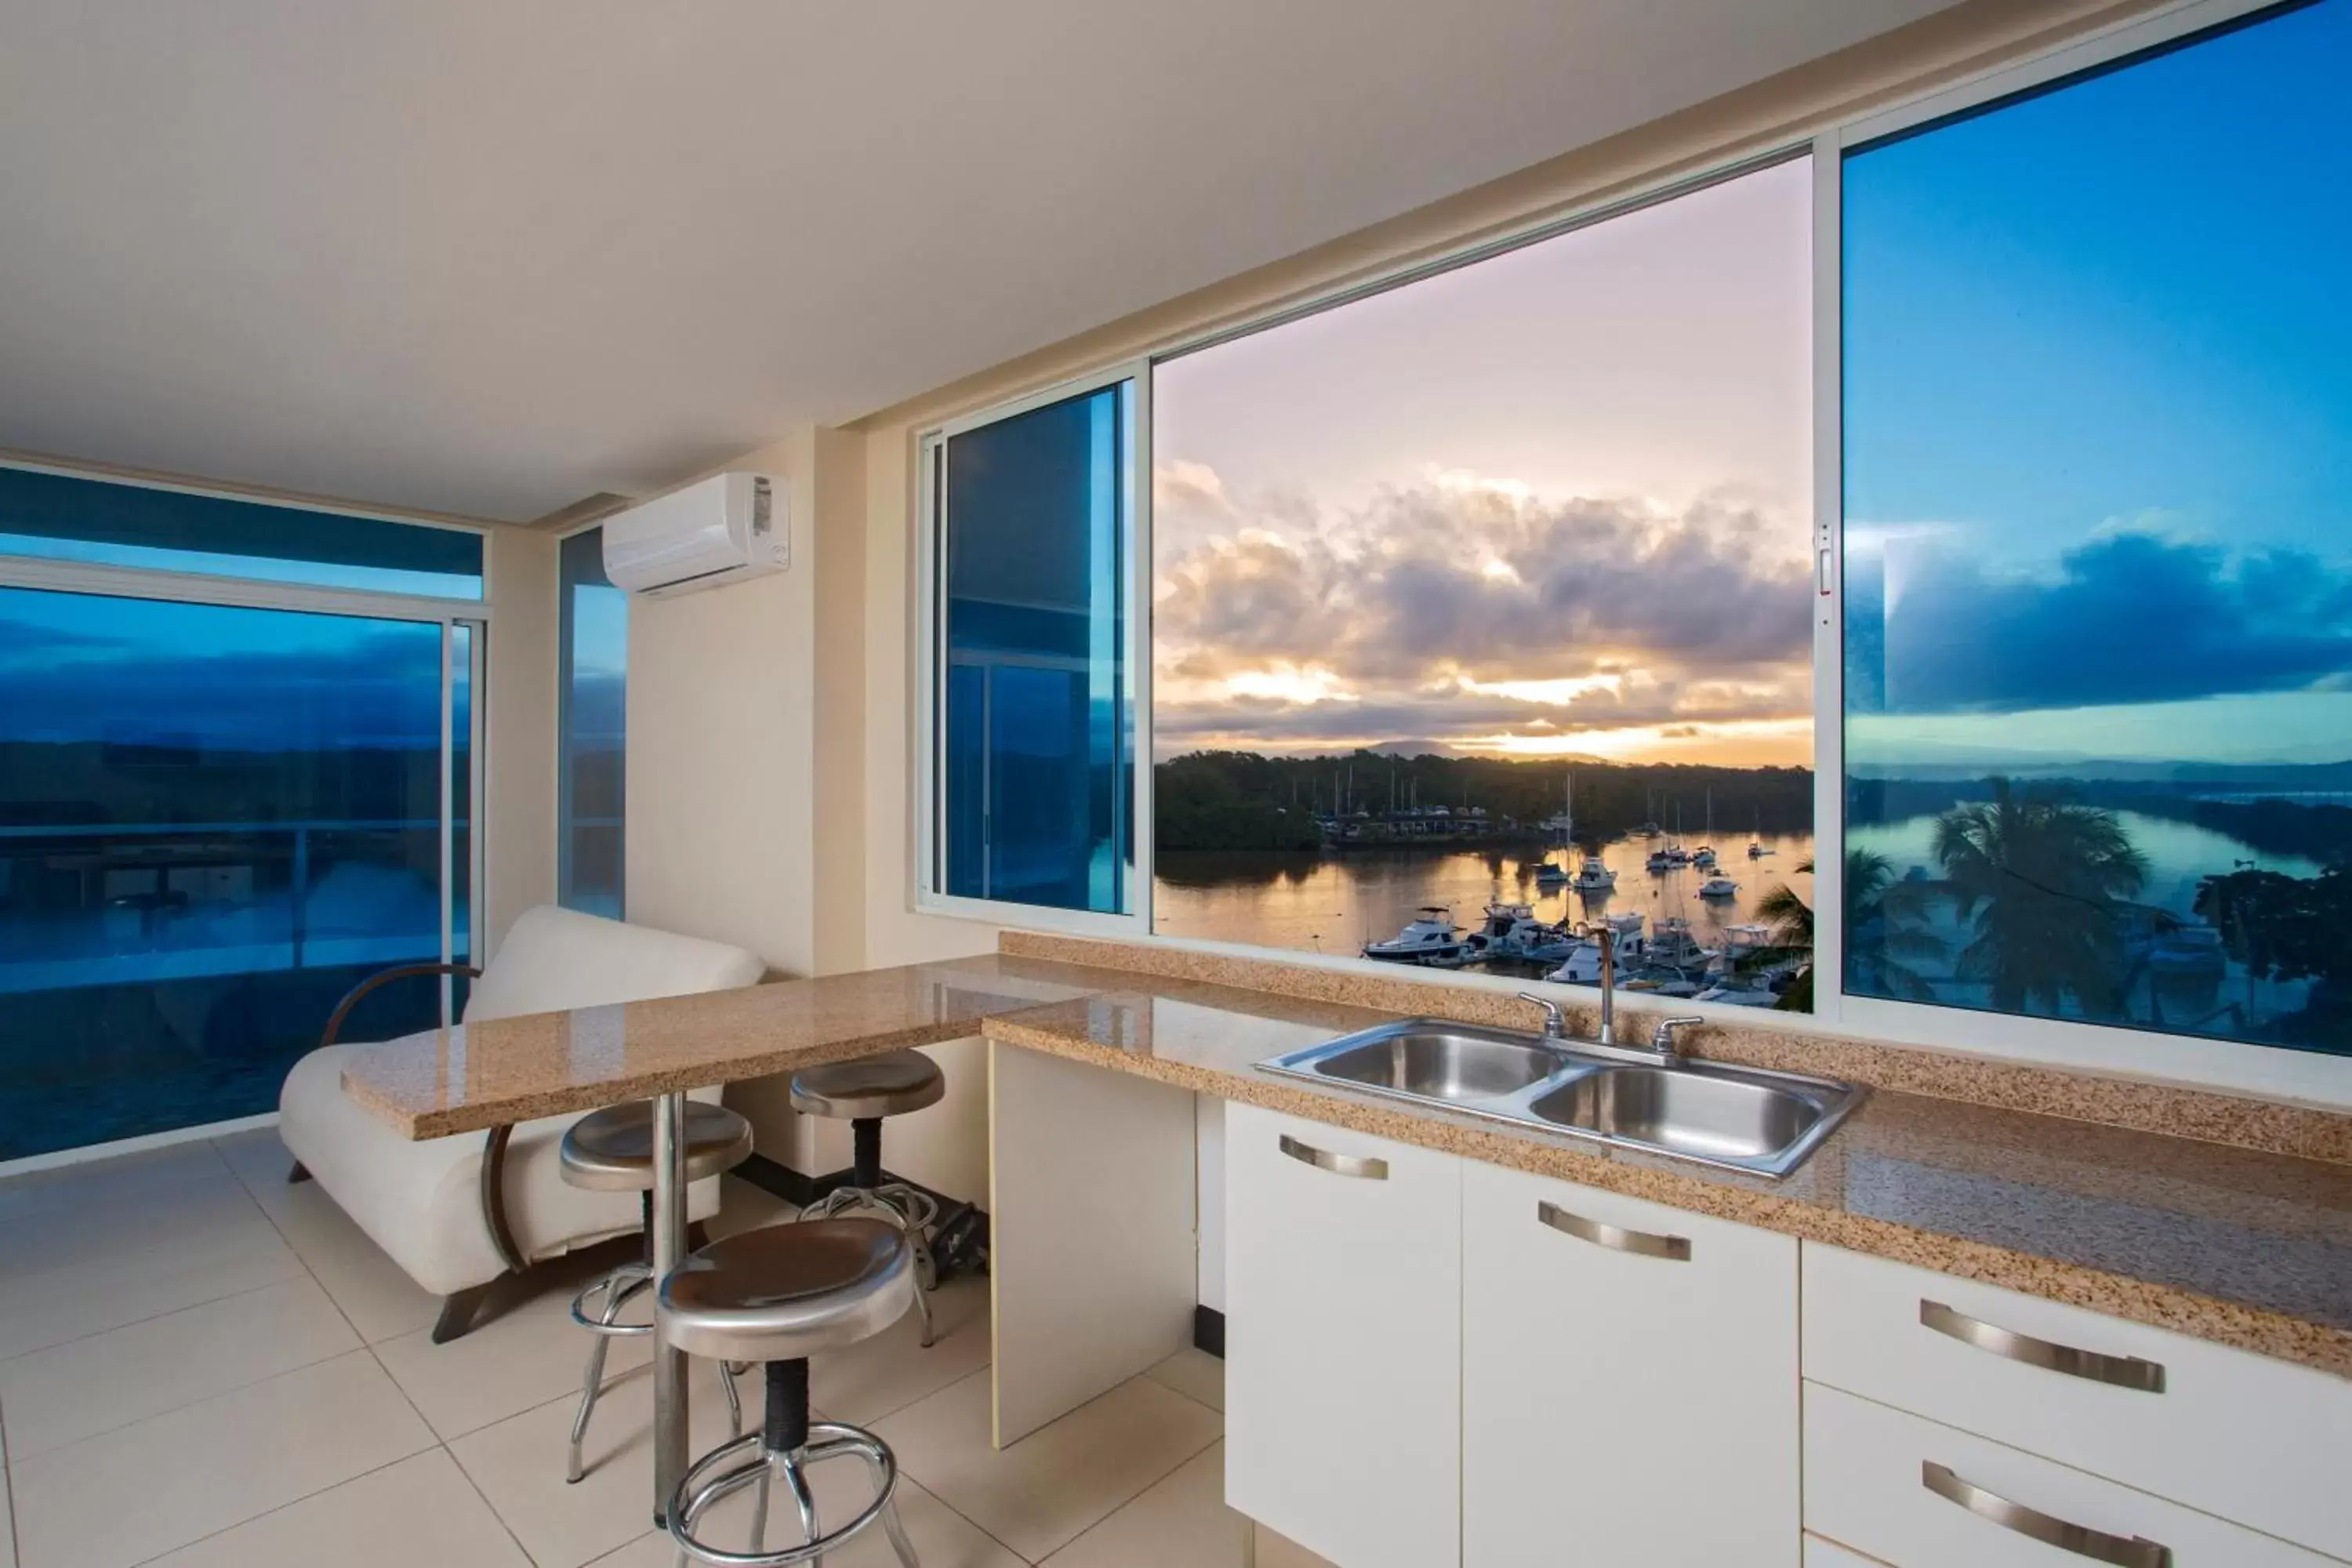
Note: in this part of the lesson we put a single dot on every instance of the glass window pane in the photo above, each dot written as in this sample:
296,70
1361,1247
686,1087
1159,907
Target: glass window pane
214,821
2098,571
591,783
1037,727
1482,610
61,517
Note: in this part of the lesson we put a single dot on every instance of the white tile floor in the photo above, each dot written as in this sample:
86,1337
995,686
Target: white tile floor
203,1367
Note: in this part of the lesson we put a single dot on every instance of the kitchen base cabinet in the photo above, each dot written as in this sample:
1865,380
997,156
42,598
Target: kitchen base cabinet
1629,1382
1919,1495
1343,1340
2257,1441
1825,1553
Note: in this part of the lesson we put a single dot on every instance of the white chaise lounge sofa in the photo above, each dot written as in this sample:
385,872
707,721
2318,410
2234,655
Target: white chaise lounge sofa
460,1213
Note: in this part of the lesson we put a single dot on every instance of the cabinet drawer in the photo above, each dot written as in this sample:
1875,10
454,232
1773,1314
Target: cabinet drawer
1343,1340
1615,1352
1894,1485
1821,1553
2252,1440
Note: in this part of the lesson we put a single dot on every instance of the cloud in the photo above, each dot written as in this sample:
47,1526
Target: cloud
1454,609
1179,486
2126,618
367,691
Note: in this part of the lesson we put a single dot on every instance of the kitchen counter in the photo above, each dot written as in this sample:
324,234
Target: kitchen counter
2242,1246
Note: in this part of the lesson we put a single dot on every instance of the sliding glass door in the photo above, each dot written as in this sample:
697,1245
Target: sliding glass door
214,820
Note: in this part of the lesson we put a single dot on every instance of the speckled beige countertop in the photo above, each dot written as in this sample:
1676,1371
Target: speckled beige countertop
2245,1247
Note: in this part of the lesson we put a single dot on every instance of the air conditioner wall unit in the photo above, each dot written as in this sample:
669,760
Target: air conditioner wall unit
720,531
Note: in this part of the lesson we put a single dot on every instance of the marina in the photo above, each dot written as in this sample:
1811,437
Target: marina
1488,911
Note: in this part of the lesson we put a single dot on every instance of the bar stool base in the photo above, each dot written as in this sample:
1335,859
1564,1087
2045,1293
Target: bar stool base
747,1462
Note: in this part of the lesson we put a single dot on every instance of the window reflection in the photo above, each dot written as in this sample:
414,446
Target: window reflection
214,821
593,745
1038,715
2098,633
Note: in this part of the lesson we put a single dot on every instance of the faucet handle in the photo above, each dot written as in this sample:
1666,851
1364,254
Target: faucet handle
1555,1021
1661,1039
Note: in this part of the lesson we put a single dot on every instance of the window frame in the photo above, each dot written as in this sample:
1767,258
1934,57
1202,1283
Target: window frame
930,620
451,615
2237,1065
2226,1065
563,665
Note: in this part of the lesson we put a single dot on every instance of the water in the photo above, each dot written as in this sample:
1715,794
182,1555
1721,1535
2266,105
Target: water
2229,1003
1334,902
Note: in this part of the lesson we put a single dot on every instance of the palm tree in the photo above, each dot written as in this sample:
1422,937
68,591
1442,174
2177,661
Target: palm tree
1883,938
2038,875
1879,935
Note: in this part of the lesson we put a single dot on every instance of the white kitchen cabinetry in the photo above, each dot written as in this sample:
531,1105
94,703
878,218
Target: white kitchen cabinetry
1821,1553
1343,1349
1629,1382
2252,1440
1921,1495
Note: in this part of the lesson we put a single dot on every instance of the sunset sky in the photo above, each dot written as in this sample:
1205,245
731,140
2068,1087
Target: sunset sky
1554,503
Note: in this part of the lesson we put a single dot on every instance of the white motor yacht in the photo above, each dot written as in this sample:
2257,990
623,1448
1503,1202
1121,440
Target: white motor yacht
1592,876
1429,938
1718,886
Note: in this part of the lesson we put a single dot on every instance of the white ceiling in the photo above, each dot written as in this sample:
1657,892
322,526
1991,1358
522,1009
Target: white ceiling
487,256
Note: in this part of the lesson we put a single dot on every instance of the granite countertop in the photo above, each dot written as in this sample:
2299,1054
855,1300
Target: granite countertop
500,1070
2241,1246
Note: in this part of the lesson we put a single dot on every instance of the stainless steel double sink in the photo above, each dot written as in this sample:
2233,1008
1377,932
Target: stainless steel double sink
1742,1118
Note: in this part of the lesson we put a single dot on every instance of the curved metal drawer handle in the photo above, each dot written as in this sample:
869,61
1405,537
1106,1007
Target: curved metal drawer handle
1674,1249
2123,1552
1364,1166
2122,1370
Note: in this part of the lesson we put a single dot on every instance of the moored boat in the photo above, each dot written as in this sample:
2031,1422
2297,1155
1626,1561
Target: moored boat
1429,938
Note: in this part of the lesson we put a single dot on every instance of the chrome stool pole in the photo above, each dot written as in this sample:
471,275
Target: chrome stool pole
778,1296
864,1093
612,1150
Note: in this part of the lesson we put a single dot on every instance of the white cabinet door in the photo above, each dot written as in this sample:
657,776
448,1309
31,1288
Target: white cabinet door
1629,1388
1822,1553
1343,1340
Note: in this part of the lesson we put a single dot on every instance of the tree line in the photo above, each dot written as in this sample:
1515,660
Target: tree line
1245,800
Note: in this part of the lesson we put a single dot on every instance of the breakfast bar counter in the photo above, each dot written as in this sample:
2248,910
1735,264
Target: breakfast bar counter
1093,1073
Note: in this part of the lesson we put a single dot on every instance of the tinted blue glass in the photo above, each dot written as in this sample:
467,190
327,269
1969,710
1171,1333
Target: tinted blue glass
213,823
1037,728
59,517
2098,547
592,786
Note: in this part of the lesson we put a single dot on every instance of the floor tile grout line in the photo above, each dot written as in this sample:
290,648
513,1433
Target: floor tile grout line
280,1508
477,1486
225,1393
199,1399
1139,1496
8,1494
152,1316
1066,1546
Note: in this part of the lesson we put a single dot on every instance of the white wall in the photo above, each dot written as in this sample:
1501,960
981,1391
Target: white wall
519,730
748,797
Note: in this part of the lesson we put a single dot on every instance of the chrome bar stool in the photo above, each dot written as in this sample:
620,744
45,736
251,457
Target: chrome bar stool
779,1295
863,1093
612,1150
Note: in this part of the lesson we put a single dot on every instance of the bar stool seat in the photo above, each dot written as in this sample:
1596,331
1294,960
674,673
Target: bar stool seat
779,1295
880,1085
613,1151
761,1297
